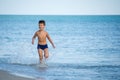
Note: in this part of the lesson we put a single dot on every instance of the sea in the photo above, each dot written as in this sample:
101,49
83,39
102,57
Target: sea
87,47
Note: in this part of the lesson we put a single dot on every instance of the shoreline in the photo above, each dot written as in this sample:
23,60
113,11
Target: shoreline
4,75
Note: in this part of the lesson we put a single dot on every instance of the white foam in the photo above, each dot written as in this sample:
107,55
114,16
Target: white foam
23,75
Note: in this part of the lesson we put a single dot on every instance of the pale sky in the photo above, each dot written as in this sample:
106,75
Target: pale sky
60,7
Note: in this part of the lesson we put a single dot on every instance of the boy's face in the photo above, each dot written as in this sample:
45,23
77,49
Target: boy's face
41,26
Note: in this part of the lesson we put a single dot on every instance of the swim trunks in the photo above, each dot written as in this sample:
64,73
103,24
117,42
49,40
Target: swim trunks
39,46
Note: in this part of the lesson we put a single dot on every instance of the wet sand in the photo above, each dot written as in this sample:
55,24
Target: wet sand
4,75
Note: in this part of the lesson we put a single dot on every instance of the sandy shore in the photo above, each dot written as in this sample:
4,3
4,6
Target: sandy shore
4,75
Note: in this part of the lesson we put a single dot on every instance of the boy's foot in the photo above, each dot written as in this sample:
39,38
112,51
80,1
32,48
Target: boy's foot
43,63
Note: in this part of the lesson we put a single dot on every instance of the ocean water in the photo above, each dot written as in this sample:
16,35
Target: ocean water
87,47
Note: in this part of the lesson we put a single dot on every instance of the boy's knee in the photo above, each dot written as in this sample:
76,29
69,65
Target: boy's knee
46,56
41,57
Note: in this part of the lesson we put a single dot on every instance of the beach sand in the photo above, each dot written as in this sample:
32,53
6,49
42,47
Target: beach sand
4,75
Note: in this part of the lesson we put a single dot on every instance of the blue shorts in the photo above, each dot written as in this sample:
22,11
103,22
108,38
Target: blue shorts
39,46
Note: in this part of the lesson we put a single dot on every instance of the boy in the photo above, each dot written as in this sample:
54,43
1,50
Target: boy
42,44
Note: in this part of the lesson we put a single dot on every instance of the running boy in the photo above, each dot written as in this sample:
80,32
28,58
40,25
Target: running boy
42,44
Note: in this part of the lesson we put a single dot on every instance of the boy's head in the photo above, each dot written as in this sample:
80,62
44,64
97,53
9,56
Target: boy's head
41,24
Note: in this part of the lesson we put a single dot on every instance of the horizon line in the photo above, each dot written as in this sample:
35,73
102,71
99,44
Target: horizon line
66,14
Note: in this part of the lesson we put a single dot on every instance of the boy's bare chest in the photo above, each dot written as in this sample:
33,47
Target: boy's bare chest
41,34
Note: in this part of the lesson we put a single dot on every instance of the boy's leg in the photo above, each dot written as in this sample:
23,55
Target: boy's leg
40,55
46,54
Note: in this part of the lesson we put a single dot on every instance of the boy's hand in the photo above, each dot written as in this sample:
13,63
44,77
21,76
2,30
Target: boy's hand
53,46
32,41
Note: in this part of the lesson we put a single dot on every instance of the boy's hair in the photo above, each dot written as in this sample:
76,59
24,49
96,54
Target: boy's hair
42,21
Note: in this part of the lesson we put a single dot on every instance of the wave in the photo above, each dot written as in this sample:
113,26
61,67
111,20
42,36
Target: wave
70,65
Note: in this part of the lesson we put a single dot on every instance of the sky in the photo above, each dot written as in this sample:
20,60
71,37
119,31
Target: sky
60,7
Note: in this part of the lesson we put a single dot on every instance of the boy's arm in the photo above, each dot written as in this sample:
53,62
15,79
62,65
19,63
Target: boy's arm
35,35
50,40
